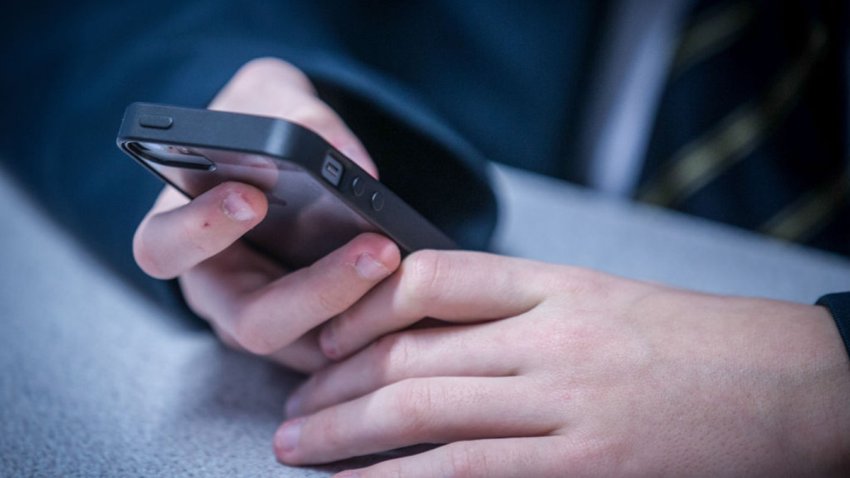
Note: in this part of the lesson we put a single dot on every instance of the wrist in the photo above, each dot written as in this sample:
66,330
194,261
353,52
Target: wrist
819,414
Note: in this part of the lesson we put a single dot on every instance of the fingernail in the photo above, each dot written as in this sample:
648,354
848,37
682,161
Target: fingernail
369,268
327,340
236,208
287,436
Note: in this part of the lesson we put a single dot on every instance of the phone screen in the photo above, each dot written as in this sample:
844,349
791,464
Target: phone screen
305,219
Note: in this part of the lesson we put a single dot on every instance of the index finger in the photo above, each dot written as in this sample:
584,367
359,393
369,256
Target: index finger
176,235
456,286
270,317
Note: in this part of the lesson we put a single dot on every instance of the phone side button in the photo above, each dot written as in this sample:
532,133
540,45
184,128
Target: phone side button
357,186
156,121
377,201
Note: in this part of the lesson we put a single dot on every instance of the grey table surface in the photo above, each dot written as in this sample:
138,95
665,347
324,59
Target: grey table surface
98,381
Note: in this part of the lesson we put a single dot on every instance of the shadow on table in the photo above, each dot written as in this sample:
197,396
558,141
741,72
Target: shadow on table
230,405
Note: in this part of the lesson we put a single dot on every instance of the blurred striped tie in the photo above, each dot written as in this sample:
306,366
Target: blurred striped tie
751,128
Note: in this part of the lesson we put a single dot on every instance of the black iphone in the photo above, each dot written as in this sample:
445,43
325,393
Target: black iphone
318,198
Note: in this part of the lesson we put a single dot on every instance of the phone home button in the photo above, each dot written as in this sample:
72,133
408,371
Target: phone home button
377,201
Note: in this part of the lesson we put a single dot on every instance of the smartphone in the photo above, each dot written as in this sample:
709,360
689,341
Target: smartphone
318,198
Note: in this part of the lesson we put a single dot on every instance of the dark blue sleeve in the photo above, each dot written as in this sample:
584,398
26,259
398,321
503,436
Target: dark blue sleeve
839,306
70,69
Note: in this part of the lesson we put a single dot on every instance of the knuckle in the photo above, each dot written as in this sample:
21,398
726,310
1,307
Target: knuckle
329,302
264,67
596,457
579,281
411,404
465,461
316,116
394,354
423,273
591,283
250,334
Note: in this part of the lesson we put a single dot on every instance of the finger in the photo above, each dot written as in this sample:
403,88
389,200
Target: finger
431,410
492,458
272,87
437,352
262,76
449,285
303,355
275,315
226,338
169,242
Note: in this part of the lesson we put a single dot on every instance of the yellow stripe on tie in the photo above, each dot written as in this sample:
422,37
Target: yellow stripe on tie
712,32
735,136
803,218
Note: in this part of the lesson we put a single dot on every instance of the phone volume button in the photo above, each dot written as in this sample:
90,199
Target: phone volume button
377,201
357,186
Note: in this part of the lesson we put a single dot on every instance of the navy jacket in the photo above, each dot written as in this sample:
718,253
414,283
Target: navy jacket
434,89
431,88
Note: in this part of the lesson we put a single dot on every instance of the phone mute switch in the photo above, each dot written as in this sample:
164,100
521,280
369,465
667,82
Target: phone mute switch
156,121
332,170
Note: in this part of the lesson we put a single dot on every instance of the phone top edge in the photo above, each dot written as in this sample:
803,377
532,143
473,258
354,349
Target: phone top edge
281,139
215,129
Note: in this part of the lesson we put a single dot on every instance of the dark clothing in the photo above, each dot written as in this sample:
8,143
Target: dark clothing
433,88
425,111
